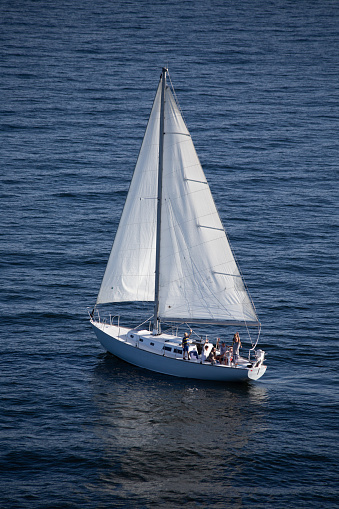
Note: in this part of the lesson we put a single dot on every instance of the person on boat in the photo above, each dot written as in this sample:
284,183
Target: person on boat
204,353
212,356
236,346
228,356
194,354
222,350
184,345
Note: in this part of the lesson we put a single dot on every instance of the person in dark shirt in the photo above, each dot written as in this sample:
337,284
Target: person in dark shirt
184,345
212,356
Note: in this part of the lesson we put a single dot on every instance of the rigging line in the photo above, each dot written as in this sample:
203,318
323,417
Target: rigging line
185,166
176,99
186,323
253,346
188,193
181,170
176,142
195,246
147,319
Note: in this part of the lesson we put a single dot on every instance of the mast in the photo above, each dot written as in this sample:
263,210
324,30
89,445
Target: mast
156,324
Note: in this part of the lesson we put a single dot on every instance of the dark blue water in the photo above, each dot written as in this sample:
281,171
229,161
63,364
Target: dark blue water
258,85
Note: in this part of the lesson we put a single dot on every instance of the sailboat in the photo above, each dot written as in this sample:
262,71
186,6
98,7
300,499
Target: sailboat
171,249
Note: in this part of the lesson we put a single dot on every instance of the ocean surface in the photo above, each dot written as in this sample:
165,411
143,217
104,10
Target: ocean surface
258,85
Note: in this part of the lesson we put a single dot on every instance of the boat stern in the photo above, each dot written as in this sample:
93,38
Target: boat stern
256,373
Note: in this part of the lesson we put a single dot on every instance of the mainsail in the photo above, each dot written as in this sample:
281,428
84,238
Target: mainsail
199,280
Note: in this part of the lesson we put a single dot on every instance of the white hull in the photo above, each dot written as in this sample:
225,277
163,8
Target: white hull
126,344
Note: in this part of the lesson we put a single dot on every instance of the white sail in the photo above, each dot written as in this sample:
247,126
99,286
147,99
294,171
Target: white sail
199,278
129,274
